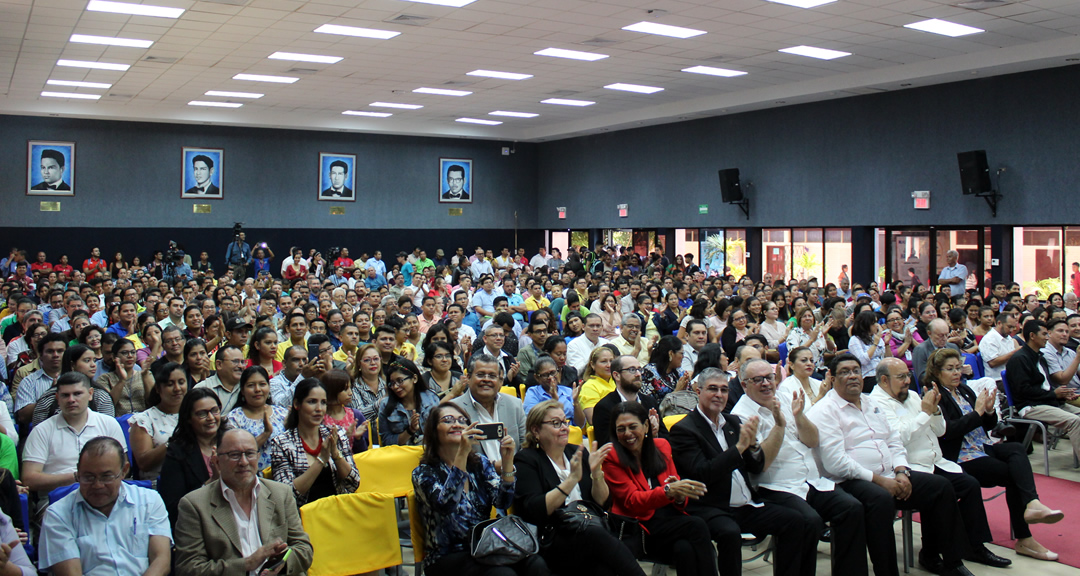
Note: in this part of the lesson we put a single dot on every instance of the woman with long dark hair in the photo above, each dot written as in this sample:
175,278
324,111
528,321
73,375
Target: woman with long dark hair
196,362
668,320
440,376
188,464
256,412
870,344
125,381
663,374
262,351
151,429
404,410
646,486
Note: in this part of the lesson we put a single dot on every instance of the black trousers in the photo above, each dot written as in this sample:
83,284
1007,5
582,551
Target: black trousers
1007,465
594,551
796,539
462,564
678,538
843,512
933,496
969,501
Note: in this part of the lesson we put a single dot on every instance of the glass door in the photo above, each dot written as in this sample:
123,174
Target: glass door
911,259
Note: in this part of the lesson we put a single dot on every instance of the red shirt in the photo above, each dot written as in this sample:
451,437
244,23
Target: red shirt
344,262
63,269
631,494
45,266
93,267
292,273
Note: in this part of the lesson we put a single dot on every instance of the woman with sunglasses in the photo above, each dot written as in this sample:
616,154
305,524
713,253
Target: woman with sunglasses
404,410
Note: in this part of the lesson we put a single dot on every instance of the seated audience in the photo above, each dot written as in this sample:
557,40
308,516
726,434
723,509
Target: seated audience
77,358
546,374
151,429
188,461
256,412
405,409
484,404
626,373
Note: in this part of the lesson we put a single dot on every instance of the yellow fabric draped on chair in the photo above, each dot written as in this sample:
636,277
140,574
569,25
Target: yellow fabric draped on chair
352,533
388,469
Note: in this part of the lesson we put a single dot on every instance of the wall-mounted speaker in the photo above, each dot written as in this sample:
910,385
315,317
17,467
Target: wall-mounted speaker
974,172
730,191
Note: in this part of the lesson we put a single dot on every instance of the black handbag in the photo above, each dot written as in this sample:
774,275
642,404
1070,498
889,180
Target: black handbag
577,516
503,541
629,531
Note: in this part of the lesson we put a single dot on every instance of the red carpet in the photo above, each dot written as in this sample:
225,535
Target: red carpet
1056,493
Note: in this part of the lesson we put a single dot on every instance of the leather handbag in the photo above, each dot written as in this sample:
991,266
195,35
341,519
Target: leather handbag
503,541
629,531
577,516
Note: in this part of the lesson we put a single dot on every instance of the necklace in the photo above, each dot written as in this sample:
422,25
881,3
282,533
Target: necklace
313,452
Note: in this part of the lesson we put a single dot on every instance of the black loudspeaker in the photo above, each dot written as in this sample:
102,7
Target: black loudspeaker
730,191
974,172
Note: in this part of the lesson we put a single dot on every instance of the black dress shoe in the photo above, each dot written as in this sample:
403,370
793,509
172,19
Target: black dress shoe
1002,429
984,556
960,570
826,536
931,563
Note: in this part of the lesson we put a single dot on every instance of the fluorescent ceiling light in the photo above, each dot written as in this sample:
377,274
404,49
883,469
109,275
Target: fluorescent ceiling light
572,54
71,95
634,88
663,30
567,102
264,78
305,57
478,121
819,53
215,104
363,113
804,3
513,114
396,105
503,75
357,32
133,9
94,65
442,92
224,94
78,84
713,71
450,3
109,41
944,27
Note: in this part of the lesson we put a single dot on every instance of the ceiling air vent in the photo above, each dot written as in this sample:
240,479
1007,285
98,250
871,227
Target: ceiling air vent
599,42
457,83
160,60
983,4
410,20
303,70
228,2
561,93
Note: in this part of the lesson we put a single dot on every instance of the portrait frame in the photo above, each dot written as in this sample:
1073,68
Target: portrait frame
467,194
324,193
217,174
35,182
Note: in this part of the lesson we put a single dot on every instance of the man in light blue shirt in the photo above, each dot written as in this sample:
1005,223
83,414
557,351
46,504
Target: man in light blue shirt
377,263
105,526
483,302
954,275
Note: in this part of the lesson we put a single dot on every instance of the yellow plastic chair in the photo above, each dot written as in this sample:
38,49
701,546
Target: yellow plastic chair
509,391
370,543
591,434
388,470
268,472
575,436
417,530
670,421
521,391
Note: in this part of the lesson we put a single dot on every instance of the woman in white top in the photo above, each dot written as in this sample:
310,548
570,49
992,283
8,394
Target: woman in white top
771,328
801,364
152,428
807,333
870,344
718,321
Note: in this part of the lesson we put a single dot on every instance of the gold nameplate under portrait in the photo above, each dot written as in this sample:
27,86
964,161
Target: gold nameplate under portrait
50,206
200,209
455,211
337,210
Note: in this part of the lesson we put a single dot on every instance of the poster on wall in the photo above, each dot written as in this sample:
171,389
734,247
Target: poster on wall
337,180
50,168
455,180
203,173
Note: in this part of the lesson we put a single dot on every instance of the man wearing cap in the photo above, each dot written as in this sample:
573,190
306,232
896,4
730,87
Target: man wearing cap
237,333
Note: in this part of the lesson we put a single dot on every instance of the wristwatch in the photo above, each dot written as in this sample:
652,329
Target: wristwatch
905,472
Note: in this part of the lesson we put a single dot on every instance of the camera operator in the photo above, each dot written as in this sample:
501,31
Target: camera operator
238,256
176,268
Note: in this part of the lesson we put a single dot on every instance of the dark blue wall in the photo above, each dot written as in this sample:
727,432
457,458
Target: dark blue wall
846,162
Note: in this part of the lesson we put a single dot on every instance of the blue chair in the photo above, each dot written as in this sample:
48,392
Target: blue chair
126,427
24,507
782,349
62,491
1012,417
975,363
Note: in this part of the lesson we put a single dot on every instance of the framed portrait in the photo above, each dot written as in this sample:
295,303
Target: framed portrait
455,180
50,168
203,172
337,177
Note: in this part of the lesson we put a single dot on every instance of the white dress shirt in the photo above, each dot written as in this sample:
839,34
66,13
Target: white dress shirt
855,442
247,526
794,469
918,431
740,492
992,345
579,349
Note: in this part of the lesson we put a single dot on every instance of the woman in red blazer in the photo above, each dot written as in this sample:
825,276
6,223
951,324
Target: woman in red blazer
645,485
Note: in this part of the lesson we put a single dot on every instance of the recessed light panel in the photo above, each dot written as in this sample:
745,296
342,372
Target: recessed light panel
711,71
223,94
397,105
295,57
71,95
78,84
94,65
634,88
567,102
450,3
496,74
109,41
944,27
804,3
442,92
133,9
265,78
215,104
663,30
811,52
365,113
513,114
571,54
357,32
478,121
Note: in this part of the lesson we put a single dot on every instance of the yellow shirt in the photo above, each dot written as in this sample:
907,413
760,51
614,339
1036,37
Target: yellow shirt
593,390
281,348
532,305
342,356
406,350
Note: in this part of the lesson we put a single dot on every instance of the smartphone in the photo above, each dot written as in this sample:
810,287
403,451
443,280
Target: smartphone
312,353
276,561
493,431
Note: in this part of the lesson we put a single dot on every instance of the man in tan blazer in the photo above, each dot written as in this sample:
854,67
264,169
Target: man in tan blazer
233,525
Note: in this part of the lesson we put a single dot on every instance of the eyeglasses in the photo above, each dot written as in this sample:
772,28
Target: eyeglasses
442,357
92,479
906,375
557,424
454,420
849,372
486,376
126,353
632,370
206,414
632,327
399,382
759,380
241,454
546,375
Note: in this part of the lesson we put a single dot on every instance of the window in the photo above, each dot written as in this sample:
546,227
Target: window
807,254
1038,266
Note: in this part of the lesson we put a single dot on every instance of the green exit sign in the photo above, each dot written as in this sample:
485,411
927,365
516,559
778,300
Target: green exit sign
703,209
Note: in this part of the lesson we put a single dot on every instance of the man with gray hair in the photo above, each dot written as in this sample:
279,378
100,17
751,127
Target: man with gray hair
954,275
630,341
938,332
579,349
484,404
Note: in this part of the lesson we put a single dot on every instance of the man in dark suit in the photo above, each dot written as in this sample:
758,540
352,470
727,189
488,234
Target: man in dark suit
715,448
626,373
455,182
202,167
52,171
214,532
339,170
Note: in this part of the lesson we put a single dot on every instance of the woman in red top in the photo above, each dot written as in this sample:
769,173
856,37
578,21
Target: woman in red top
645,485
63,267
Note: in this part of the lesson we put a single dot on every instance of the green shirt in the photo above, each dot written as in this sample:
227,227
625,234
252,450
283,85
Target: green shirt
420,265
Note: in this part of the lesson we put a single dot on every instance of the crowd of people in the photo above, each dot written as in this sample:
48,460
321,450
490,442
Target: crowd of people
708,406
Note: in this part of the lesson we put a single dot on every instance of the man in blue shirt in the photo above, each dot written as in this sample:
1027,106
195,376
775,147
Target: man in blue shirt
407,268
238,256
373,281
954,275
377,263
106,526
